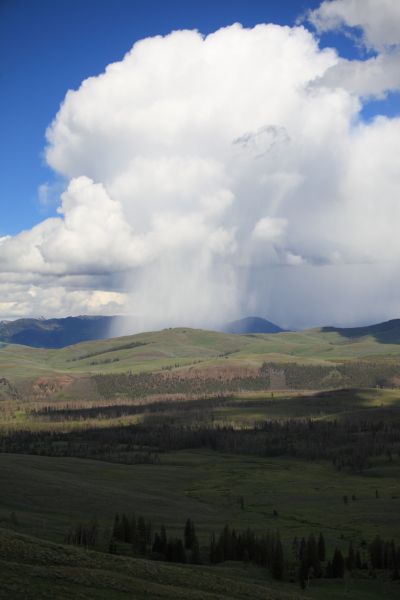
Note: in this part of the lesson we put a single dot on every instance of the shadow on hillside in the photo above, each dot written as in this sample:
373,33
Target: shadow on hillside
351,404
384,333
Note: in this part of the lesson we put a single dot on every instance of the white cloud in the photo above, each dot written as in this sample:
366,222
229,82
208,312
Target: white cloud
21,299
269,228
371,78
379,20
215,176
379,24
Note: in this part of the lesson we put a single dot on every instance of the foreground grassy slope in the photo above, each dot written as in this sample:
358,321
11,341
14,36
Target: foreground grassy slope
308,497
205,486
180,348
33,568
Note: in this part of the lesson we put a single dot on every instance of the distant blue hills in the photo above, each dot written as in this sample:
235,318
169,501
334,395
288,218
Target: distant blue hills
55,333
251,325
58,333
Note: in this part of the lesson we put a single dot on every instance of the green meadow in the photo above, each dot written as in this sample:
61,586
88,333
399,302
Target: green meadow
205,486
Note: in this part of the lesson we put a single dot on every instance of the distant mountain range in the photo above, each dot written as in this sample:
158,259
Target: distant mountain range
58,333
55,333
251,325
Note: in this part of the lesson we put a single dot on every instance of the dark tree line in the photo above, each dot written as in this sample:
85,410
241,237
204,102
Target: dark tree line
115,411
264,550
147,384
308,560
83,534
114,348
384,554
351,374
311,555
138,532
347,444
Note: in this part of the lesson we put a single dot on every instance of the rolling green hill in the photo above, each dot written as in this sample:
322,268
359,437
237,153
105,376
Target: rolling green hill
180,348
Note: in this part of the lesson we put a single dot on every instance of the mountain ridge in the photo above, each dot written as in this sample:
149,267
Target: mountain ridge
67,331
386,332
55,333
251,325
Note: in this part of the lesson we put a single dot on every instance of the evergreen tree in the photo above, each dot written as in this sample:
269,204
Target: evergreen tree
195,554
117,533
302,549
277,561
141,536
14,519
337,564
125,529
312,556
303,573
180,552
134,534
189,534
376,553
213,550
175,551
351,558
156,548
328,570
295,546
148,530
163,539
321,548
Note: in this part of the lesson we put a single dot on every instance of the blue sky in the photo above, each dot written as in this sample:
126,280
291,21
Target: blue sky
48,47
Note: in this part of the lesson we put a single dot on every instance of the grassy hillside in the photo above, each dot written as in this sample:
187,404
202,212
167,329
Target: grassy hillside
31,568
308,496
182,348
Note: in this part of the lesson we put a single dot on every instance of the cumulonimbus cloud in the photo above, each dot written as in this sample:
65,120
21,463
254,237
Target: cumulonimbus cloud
211,176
